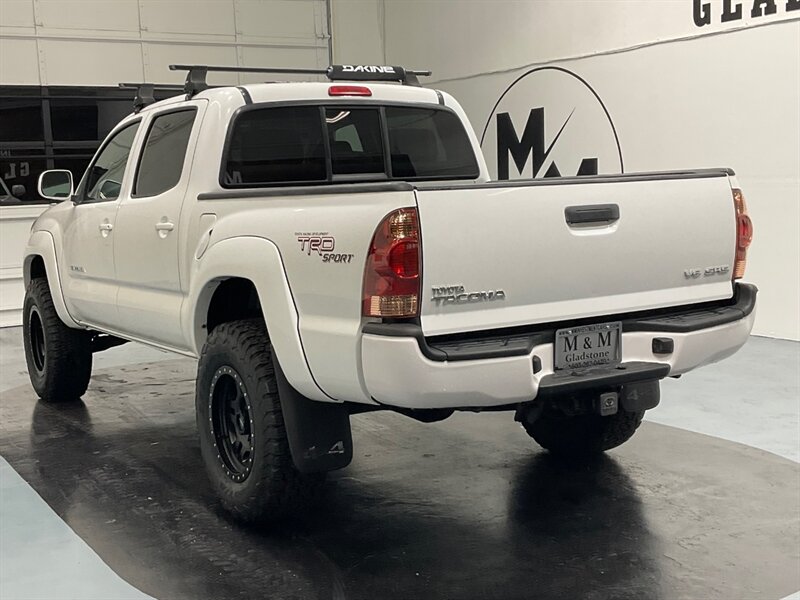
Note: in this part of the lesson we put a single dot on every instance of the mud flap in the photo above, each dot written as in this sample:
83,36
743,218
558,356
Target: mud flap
318,432
640,396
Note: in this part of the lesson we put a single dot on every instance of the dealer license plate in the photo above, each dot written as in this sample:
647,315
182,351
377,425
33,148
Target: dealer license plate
588,346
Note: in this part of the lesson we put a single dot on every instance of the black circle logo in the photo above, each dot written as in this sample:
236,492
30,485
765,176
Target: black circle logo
550,123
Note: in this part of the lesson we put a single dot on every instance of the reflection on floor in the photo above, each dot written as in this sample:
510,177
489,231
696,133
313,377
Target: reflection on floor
467,508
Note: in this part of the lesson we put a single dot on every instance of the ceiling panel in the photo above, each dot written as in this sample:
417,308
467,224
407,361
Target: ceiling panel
78,62
294,19
209,17
92,15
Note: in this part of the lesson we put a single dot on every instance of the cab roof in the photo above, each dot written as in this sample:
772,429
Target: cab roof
362,81
255,93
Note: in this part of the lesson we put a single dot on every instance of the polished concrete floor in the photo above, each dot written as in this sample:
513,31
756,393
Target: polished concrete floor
466,508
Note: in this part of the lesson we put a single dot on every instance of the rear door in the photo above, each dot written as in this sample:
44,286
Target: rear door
148,233
503,255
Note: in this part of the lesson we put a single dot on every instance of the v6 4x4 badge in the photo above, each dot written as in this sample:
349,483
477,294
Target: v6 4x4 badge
322,245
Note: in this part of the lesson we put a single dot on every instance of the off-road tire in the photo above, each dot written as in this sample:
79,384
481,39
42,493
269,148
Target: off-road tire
272,488
582,435
59,358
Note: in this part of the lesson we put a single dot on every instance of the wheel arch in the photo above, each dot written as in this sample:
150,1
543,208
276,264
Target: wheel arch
41,261
232,299
225,287
34,268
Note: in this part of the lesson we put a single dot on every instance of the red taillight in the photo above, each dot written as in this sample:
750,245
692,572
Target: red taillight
349,90
404,259
744,234
392,272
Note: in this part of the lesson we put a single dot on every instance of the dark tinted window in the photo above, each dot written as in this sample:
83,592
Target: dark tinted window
274,145
85,118
19,171
355,140
21,120
429,143
104,178
285,145
164,152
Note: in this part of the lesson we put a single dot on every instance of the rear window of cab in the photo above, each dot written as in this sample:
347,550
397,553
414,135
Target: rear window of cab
302,144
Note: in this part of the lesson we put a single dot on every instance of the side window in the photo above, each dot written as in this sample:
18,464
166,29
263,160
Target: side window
104,179
164,152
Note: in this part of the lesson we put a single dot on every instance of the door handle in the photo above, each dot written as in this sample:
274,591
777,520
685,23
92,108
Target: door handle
105,229
592,213
163,228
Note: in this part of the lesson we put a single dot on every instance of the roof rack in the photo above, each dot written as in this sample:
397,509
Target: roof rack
196,76
145,92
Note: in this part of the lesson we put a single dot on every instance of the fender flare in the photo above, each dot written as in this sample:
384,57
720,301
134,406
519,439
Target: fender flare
41,243
265,269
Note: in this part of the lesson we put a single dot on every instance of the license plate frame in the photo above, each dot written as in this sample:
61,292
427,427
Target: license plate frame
586,346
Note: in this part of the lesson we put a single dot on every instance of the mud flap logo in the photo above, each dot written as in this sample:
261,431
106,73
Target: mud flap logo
313,453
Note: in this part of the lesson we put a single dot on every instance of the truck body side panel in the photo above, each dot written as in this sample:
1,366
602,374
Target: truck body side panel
322,242
223,260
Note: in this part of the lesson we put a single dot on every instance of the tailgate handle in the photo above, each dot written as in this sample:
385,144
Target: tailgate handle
592,213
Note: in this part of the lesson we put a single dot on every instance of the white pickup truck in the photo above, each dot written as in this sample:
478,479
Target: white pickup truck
330,248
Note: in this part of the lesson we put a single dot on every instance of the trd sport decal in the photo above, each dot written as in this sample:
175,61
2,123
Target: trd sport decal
550,123
321,244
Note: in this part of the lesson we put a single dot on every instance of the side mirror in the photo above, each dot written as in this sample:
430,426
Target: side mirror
55,184
18,191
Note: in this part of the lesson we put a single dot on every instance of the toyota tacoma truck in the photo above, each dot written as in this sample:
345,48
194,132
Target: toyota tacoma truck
326,248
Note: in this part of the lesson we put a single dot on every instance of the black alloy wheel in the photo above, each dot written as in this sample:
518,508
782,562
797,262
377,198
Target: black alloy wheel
38,344
231,420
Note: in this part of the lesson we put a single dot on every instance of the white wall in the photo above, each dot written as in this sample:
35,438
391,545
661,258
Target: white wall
358,30
104,42
457,38
680,96
15,226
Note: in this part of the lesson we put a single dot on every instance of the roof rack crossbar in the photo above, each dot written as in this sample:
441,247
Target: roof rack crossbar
196,76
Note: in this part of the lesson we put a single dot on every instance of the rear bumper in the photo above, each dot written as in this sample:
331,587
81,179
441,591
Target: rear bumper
490,369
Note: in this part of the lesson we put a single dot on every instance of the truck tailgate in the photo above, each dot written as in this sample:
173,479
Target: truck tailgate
507,254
